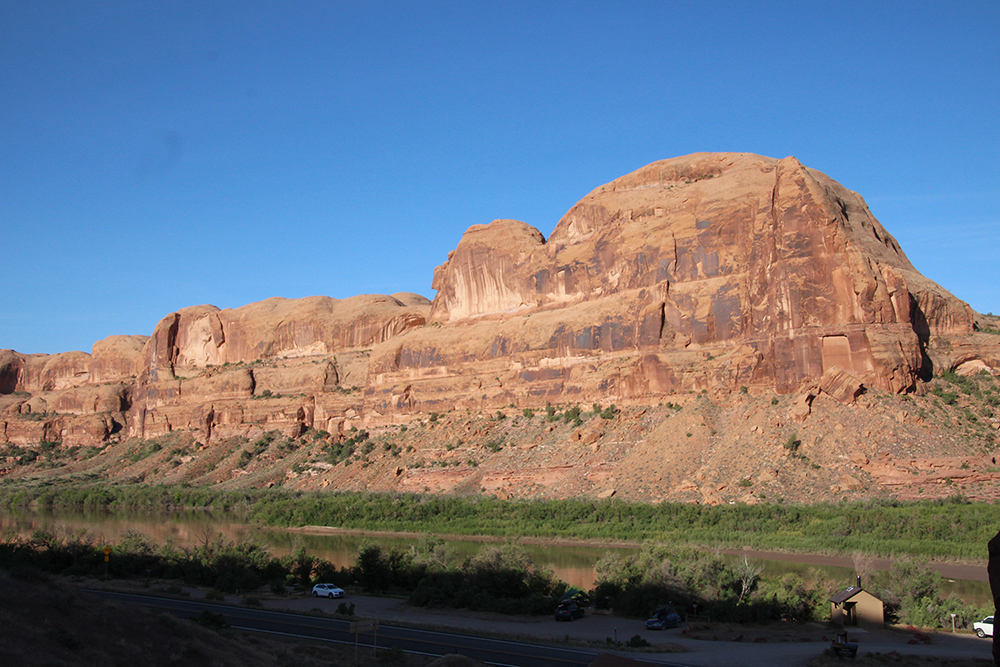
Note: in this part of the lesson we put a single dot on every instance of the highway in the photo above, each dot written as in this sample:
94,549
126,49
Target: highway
490,651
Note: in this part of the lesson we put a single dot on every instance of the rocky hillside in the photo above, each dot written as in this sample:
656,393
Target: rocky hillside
729,305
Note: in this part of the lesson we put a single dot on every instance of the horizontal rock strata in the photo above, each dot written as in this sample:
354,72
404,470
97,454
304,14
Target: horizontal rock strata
720,272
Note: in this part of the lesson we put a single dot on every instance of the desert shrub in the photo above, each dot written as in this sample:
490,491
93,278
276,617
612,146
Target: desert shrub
634,585
499,578
573,415
379,570
911,592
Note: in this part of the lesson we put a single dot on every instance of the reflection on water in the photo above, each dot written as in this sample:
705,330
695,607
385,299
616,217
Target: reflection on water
574,564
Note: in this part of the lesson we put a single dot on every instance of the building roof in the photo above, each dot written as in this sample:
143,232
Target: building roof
846,594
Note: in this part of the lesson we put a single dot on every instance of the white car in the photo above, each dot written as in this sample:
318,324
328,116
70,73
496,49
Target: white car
984,628
331,591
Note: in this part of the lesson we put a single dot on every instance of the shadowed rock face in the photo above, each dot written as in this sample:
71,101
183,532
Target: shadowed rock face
772,267
705,271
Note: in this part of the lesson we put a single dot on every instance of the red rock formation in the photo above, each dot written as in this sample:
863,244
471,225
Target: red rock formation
117,359
773,268
710,271
172,393
277,328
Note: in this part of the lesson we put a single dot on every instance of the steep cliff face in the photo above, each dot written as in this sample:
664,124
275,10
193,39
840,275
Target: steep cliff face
715,273
203,336
269,362
286,363
478,280
710,269
117,359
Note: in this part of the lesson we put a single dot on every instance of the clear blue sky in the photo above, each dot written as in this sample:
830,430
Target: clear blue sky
157,155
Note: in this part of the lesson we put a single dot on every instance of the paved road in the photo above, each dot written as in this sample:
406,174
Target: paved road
490,651
529,631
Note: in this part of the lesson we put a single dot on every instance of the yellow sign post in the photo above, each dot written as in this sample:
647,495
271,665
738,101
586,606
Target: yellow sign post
107,557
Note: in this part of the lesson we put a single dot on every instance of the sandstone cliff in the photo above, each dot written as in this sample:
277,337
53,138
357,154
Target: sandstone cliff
717,273
707,270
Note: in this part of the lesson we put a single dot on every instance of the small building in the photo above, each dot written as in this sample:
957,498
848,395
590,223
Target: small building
854,606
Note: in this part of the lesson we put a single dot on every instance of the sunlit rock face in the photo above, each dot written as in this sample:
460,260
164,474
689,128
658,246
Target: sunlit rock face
706,269
710,271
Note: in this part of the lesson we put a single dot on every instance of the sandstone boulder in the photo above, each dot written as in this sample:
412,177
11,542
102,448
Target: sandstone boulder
841,385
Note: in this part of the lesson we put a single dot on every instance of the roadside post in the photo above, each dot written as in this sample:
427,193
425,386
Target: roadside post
107,557
368,625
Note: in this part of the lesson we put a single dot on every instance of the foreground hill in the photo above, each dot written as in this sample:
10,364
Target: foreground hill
759,296
48,622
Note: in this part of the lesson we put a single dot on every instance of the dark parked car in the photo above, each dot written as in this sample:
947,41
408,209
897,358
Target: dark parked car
569,611
663,618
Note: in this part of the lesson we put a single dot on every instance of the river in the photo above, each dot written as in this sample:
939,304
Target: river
570,561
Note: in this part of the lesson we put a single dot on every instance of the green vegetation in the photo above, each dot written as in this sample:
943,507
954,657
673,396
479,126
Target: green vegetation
574,414
265,394
952,528
965,404
740,592
499,577
502,577
342,451
46,454
224,566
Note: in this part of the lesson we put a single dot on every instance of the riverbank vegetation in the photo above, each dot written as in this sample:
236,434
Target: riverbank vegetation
741,592
499,577
953,529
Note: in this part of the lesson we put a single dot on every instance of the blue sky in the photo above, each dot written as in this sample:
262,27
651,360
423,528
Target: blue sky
157,155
